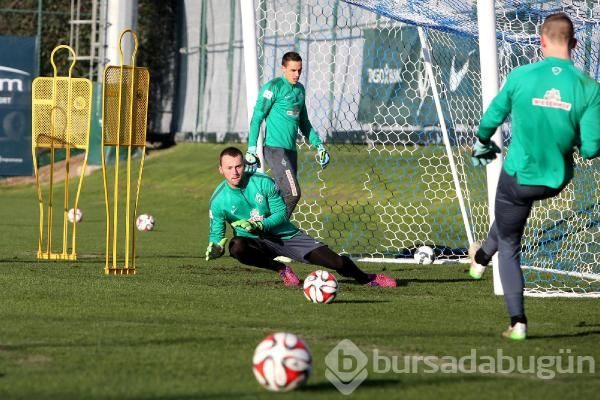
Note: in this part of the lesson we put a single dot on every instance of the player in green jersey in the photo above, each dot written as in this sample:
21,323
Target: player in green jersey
281,104
554,107
252,205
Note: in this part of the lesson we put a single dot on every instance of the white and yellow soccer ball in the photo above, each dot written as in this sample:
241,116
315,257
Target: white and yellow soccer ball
320,287
74,215
424,255
144,222
281,362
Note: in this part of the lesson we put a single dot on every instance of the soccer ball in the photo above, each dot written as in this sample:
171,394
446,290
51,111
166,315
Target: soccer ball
281,362
74,215
144,222
424,255
320,287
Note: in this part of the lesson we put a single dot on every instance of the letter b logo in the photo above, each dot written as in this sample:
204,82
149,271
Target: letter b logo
346,366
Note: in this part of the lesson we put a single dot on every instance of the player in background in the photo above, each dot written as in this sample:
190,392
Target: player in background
281,104
554,107
252,205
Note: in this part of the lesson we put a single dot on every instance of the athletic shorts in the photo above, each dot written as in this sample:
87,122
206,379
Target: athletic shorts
295,248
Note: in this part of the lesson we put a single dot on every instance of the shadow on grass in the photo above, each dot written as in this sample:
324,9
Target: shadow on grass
400,384
564,335
324,386
405,282
360,301
114,342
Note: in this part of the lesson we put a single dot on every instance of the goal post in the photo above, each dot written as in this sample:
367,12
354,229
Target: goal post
486,24
400,130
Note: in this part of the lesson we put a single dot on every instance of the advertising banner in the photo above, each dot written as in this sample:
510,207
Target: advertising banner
17,70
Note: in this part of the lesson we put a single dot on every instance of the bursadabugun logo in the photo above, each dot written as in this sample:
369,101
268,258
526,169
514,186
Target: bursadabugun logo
347,366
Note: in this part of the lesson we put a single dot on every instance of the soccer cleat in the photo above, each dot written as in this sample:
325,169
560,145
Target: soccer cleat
381,280
288,277
516,332
283,259
476,270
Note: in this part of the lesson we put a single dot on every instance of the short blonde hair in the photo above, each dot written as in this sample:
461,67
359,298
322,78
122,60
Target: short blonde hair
558,28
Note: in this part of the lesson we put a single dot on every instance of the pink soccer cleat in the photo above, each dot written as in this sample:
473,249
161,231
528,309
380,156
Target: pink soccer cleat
381,280
288,277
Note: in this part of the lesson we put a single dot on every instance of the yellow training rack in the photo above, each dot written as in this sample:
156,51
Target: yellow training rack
124,116
61,113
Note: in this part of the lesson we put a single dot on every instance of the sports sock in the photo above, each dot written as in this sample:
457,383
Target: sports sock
519,318
482,258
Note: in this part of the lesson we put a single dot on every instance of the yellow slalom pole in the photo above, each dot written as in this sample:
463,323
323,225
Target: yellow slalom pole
129,138
54,102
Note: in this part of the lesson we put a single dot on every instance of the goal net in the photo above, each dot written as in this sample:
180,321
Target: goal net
400,135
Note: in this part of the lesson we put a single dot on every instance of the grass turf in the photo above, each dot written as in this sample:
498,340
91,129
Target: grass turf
183,328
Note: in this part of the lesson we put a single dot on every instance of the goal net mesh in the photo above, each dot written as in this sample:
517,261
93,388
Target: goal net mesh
389,187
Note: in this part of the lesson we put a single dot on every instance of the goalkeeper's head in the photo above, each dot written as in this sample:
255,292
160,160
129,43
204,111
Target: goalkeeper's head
291,67
558,36
231,166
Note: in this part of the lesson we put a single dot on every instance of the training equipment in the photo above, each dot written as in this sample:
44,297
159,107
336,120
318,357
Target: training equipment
248,226
424,255
483,154
74,215
124,120
323,157
403,132
320,287
61,109
144,222
281,362
252,160
215,250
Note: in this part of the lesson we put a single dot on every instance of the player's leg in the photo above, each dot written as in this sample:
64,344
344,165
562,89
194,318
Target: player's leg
343,265
325,257
258,253
252,252
284,167
512,207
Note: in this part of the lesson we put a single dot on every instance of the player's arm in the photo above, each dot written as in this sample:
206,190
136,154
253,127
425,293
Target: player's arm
313,138
307,129
216,235
497,112
589,128
264,102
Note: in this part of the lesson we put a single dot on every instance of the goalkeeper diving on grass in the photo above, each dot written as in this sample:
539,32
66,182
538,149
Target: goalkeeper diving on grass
250,202
281,104
555,107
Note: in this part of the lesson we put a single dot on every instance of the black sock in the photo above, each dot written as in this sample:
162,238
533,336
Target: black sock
350,270
519,318
482,258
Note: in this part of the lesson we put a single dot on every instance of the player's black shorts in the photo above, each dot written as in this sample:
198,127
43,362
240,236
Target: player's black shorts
295,248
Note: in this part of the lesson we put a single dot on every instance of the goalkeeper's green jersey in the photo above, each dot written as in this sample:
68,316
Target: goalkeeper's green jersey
554,107
256,199
282,105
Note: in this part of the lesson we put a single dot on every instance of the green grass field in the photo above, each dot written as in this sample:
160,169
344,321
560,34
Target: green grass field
184,328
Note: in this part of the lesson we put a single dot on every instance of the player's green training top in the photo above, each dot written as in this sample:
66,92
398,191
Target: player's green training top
554,107
256,199
282,105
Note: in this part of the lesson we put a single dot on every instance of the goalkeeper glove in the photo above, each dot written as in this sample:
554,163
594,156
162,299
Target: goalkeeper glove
323,157
215,250
483,154
252,160
248,226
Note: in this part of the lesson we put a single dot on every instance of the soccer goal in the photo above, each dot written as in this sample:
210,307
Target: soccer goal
395,90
